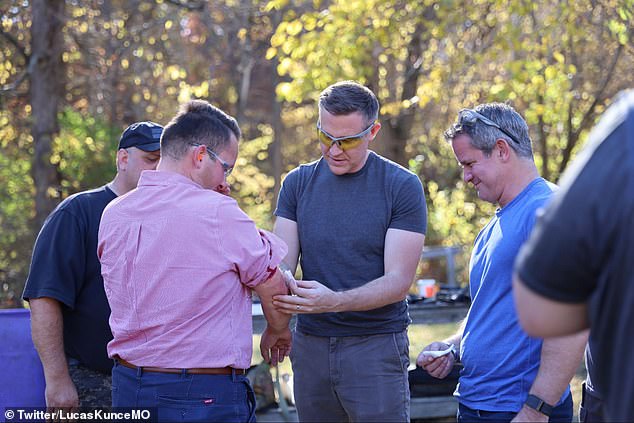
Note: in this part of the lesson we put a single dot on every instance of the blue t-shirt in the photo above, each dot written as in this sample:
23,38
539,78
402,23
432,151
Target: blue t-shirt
65,267
342,222
500,359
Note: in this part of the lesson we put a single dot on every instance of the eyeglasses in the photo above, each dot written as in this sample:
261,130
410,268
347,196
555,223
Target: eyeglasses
344,143
226,167
470,117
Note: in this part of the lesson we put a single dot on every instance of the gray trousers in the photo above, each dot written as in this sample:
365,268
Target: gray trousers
352,378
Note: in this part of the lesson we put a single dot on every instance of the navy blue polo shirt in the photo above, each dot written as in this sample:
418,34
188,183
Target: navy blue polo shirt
65,267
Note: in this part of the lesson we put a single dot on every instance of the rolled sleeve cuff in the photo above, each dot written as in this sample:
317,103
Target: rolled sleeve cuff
276,250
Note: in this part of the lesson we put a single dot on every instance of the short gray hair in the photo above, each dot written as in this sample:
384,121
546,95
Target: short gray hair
483,136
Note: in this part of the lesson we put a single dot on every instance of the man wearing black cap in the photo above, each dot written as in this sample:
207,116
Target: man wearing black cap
69,309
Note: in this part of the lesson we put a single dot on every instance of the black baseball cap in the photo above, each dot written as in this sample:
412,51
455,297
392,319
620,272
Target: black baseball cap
142,135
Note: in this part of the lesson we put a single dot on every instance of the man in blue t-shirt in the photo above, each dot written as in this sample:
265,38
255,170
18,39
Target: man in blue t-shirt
506,375
356,221
69,309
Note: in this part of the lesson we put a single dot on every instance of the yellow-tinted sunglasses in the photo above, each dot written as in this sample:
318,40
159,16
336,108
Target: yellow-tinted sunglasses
344,143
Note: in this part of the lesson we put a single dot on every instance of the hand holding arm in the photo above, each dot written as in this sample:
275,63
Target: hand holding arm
47,332
401,256
309,297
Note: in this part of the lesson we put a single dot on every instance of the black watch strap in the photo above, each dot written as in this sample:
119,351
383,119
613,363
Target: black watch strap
536,403
456,358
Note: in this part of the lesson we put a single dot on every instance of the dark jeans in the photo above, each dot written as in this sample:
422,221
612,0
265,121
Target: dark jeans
185,397
591,407
561,413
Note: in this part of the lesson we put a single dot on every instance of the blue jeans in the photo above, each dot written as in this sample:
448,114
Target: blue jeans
561,413
185,397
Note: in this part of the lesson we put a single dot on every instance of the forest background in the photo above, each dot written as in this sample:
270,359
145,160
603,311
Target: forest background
75,73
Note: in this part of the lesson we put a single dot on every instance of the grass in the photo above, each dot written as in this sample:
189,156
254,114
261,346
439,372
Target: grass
422,335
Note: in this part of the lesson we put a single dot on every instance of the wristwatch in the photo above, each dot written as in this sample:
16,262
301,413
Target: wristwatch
536,403
454,352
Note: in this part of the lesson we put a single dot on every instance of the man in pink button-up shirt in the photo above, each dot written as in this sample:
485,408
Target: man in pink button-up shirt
179,261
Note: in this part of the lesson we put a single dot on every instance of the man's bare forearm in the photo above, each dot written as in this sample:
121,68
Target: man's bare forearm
401,256
274,286
47,330
560,360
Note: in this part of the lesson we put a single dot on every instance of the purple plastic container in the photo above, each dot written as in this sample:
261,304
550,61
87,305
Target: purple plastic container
21,375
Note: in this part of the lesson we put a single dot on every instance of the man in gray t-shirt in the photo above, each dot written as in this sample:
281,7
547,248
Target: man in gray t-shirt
356,222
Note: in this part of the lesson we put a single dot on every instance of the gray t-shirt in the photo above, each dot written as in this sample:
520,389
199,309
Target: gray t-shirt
342,222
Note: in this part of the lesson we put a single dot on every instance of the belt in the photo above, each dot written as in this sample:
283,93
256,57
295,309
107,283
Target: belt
195,371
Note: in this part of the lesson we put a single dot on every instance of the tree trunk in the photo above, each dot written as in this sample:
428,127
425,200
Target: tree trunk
543,142
396,130
46,93
278,125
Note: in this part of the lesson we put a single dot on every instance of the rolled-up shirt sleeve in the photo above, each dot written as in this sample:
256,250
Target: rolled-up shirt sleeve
254,253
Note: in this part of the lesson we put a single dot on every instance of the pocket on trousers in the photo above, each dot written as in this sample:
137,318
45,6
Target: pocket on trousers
179,402
197,408
401,347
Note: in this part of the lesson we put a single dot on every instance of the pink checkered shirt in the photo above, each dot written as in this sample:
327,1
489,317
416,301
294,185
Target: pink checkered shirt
178,263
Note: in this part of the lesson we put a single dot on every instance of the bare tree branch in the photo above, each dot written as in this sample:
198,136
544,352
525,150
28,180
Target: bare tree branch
15,84
586,121
16,44
12,87
189,5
